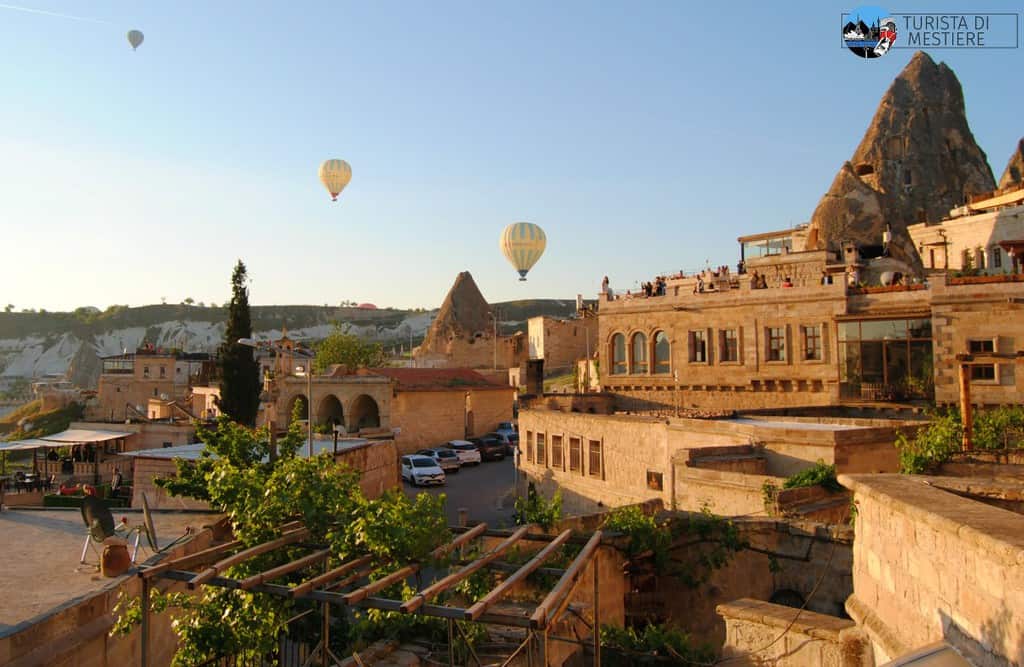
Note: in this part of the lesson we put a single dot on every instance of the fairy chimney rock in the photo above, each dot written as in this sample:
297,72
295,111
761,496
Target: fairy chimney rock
917,160
1014,171
464,315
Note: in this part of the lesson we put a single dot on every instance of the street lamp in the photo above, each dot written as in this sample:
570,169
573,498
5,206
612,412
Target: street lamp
305,354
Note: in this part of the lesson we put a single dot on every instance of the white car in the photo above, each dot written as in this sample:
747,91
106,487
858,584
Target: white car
421,470
467,452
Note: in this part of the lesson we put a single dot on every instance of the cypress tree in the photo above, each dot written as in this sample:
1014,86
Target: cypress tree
239,372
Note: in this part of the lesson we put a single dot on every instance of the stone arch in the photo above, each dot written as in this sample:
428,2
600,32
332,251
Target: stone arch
363,413
330,411
292,402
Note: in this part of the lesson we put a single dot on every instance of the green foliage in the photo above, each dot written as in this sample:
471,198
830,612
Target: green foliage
933,444
999,428
237,477
705,543
41,424
645,533
769,492
240,382
820,474
342,347
535,509
653,644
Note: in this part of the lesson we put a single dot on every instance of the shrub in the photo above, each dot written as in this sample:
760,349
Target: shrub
999,428
820,474
653,644
932,446
535,509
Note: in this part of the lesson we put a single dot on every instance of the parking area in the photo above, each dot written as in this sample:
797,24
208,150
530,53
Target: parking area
485,490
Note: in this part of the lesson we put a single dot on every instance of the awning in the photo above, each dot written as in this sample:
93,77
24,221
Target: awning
81,436
31,443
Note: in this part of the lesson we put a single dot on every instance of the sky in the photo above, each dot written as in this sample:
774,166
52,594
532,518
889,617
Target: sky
644,137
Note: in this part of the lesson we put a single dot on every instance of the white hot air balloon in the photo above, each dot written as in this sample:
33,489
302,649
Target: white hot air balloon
523,243
135,38
335,175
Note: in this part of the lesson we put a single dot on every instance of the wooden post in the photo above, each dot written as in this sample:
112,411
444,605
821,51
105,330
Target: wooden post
967,419
597,613
144,640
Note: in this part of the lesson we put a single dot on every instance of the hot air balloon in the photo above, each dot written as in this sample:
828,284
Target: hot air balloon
335,175
523,243
135,38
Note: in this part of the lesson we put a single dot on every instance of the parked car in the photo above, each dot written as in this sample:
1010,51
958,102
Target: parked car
446,458
491,449
509,440
466,451
507,427
421,470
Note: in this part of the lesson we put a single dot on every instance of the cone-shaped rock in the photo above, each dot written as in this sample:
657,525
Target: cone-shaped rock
463,314
917,160
1014,172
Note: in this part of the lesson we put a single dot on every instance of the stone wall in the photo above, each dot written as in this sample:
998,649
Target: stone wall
930,566
429,418
962,313
640,454
788,561
770,633
78,632
144,471
377,462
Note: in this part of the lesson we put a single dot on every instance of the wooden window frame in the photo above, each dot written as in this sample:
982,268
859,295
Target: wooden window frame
542,450
560,464
599,474
579,454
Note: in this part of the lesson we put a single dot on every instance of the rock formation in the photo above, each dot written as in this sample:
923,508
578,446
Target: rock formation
917,160
464,317
1014,172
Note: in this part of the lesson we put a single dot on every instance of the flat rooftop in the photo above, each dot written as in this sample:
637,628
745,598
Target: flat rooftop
40,558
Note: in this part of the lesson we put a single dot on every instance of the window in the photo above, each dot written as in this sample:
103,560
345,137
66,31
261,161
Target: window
655,480
556,452
698,347
931,258
979,258
983,373
618,354
812,343
662,353
156,391
167,444
529,446
575,455
776,343
639,353
594,462
729,345
542,450
145,371
997,257
981,346
163,372
965,260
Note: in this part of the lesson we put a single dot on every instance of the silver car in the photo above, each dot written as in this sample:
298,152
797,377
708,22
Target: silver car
445,458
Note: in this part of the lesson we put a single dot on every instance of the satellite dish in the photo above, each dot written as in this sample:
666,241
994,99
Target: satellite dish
147,519
97,518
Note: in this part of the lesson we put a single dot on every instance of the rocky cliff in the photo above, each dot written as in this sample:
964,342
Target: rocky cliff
917,160
1014,172
464,314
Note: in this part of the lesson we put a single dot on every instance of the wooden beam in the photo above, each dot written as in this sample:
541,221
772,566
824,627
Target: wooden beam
186,562
220,566
401,573
965,408
502,589
331,575
416,601
282,570
563,588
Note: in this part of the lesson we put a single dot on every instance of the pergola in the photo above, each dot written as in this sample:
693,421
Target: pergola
329,588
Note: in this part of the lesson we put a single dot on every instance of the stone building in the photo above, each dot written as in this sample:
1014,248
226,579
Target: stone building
560,343
128,381
975,236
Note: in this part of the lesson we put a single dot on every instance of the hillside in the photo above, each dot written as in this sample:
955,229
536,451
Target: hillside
35,345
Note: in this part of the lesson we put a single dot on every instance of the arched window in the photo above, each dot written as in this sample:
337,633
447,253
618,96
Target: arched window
639,353
662,354
618,354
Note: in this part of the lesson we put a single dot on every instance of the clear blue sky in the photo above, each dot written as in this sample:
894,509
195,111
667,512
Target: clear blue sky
643,137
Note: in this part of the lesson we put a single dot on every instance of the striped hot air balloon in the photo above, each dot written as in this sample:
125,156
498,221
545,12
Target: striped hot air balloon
335,175
523,243
135,38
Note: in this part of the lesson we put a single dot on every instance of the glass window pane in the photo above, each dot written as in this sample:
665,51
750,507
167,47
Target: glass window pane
920,328
662,353
639,353
883,329
871,362
618,354
849,331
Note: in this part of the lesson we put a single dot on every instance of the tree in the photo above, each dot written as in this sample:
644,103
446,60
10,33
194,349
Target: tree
189,301
9,308
240,378
341,347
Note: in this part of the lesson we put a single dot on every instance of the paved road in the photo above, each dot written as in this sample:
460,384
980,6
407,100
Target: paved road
485,490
